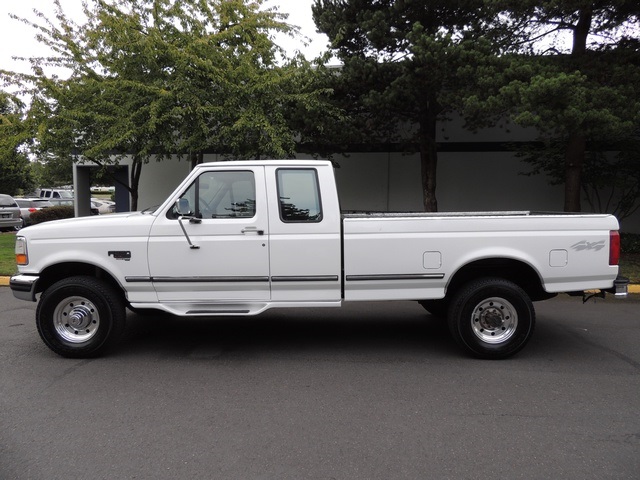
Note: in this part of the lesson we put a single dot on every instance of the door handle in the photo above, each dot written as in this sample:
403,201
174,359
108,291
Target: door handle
246,230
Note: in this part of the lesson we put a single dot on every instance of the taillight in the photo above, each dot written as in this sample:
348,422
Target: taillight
614,247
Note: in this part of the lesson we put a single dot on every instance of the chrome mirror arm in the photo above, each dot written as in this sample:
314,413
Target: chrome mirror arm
186,235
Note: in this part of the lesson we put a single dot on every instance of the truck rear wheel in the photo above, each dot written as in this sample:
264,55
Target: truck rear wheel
491,318
80,317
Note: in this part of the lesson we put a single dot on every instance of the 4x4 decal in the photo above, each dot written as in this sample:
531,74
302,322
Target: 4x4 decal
584,245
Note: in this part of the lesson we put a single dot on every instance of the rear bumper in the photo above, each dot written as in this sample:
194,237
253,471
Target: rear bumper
24,286
620,287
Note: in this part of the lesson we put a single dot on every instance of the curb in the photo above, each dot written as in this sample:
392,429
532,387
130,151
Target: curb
4,282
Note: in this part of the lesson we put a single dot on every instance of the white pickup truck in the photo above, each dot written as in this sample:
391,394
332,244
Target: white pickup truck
237,238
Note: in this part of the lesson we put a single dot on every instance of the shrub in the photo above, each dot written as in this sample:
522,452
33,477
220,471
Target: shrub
52,213
630,242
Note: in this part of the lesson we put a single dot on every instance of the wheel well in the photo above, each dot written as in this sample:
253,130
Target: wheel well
54,273
515,271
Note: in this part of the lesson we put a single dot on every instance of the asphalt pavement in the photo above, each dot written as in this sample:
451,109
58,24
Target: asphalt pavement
368,391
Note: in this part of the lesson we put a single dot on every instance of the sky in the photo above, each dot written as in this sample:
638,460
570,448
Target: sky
18,39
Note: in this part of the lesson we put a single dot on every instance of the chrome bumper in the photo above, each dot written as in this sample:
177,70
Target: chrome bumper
24,286
620,287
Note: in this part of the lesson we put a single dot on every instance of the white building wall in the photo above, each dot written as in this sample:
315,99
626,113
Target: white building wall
159,179
466,182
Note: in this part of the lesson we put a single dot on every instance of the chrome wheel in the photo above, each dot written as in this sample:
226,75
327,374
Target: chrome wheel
76,319
81,316
494,320
491,317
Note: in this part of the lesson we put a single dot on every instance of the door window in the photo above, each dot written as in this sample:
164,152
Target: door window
221,195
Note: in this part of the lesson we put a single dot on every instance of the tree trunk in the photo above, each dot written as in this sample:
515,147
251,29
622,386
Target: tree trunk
576,146
429,157
196,159
136,170
573,161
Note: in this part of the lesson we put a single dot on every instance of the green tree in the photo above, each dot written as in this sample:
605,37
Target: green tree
15,169
581,90
156,78
401,63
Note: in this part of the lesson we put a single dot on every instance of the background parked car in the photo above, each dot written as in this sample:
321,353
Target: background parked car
70,202
104,206
30,205
10,216
50,193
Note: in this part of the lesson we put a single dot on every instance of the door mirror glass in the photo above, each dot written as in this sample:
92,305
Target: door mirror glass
183,208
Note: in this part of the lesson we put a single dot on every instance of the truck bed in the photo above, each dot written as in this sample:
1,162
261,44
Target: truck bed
411,255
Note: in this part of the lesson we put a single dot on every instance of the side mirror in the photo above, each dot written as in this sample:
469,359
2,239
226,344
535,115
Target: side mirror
183,208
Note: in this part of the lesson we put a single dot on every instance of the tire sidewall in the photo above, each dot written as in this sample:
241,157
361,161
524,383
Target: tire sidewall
103,298
460,317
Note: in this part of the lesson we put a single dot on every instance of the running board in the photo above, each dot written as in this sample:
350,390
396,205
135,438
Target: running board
196,309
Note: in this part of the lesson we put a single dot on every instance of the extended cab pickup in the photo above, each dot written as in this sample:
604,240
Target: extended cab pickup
237,238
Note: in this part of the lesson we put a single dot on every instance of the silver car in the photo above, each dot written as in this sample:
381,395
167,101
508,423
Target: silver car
30,205
10,216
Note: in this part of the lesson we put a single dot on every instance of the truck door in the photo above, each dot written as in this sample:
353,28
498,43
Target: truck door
304,234
229,258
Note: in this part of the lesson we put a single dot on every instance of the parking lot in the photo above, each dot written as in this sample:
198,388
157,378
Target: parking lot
371,391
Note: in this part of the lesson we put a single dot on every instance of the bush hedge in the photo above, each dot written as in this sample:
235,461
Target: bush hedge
630,242
51,213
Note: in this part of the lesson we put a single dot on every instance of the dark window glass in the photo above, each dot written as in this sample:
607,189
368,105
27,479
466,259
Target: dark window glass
220,195
299,195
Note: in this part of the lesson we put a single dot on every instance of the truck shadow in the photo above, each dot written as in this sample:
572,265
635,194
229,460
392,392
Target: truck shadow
400,330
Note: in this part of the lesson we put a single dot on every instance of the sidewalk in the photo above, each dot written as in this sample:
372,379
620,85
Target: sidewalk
4,281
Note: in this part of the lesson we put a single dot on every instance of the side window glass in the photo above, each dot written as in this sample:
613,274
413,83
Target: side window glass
221,195
299,195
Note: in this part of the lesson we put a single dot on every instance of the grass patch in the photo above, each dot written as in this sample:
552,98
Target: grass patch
630,256
7,255
630,267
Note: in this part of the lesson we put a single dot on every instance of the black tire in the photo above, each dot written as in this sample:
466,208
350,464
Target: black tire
437,308
80,317
491,318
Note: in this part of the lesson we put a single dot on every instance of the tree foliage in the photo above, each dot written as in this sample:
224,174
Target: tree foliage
15,172
580,91
405,67
155,78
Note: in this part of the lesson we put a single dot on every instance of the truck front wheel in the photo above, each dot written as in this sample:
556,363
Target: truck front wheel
491,318
80,317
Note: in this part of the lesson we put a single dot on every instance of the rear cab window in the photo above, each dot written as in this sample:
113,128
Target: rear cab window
299,195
